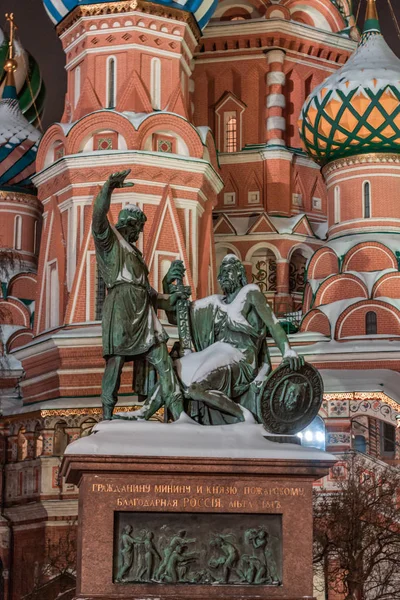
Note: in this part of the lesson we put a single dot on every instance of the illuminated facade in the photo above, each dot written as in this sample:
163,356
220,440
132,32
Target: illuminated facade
202,101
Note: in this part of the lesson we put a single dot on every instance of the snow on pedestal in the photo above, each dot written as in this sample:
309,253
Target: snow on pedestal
187,438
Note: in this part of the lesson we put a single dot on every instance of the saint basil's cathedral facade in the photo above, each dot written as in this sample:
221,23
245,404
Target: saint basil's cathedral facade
270,130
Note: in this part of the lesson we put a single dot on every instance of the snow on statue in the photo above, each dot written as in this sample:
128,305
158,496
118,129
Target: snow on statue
228,373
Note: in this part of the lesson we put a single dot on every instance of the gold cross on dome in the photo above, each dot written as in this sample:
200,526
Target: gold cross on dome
13,27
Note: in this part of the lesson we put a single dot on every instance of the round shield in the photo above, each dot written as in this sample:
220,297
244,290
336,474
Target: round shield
290,400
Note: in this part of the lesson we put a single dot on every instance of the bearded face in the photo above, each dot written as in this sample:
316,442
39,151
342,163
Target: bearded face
131,231
229,277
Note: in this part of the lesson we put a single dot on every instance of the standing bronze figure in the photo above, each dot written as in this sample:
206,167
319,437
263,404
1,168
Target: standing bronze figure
130,327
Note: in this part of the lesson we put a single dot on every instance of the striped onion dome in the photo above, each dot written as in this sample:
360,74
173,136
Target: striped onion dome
18,138
28,80
202,10
357,109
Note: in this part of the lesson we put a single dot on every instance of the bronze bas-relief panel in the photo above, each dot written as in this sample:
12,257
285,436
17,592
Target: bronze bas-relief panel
200,549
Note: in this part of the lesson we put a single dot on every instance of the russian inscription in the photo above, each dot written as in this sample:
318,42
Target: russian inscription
178,496
197,548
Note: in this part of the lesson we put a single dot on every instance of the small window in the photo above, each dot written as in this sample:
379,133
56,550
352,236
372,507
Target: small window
229,198
18,232
253,197
52,296
155,83
317,203
111,82
231,134
371,323
388,439
297,199
336,216
367,200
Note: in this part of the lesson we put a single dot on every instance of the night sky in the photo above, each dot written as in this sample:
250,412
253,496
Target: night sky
38,35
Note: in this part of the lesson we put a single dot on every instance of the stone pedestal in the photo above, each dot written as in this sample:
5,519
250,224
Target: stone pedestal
230,488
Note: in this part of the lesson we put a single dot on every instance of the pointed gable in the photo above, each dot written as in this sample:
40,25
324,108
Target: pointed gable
88,100
176,103
224,226
135,95
166,235
262,225
303,227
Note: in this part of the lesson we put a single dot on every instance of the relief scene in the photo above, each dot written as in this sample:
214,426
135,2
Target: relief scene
198,549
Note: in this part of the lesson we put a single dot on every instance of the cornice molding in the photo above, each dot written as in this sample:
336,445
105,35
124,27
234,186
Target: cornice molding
376,158
20,198
128,6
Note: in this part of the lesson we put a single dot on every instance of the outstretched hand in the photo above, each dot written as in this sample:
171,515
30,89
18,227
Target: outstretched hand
117,180
294,361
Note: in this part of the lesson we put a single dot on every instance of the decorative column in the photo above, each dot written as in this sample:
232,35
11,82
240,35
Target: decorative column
276,102
249,270
283,299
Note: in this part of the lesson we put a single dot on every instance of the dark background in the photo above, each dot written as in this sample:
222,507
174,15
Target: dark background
38,35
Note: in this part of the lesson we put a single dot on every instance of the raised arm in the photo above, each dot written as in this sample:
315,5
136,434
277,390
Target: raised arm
278,333
103,200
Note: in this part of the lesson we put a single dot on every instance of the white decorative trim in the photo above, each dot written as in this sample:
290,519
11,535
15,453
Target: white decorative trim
361,173
260,246
137,157
276,56
46,256
89,20
276,100
139,48
234,29
276,78
155,83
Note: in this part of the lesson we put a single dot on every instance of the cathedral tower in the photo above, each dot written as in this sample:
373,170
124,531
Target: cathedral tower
350,124
128,106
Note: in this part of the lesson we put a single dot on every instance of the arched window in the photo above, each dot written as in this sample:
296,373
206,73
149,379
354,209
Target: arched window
52,296
371,323
367,199
336,207
230,132
111,82
155,83
77,85
60,439
264,269
38,442
18,232
22,445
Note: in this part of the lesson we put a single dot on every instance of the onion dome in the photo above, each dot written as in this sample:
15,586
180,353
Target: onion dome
357,109
18,138
28,80
202,10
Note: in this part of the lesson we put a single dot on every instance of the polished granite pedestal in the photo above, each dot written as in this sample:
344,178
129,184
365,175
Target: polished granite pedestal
180,511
